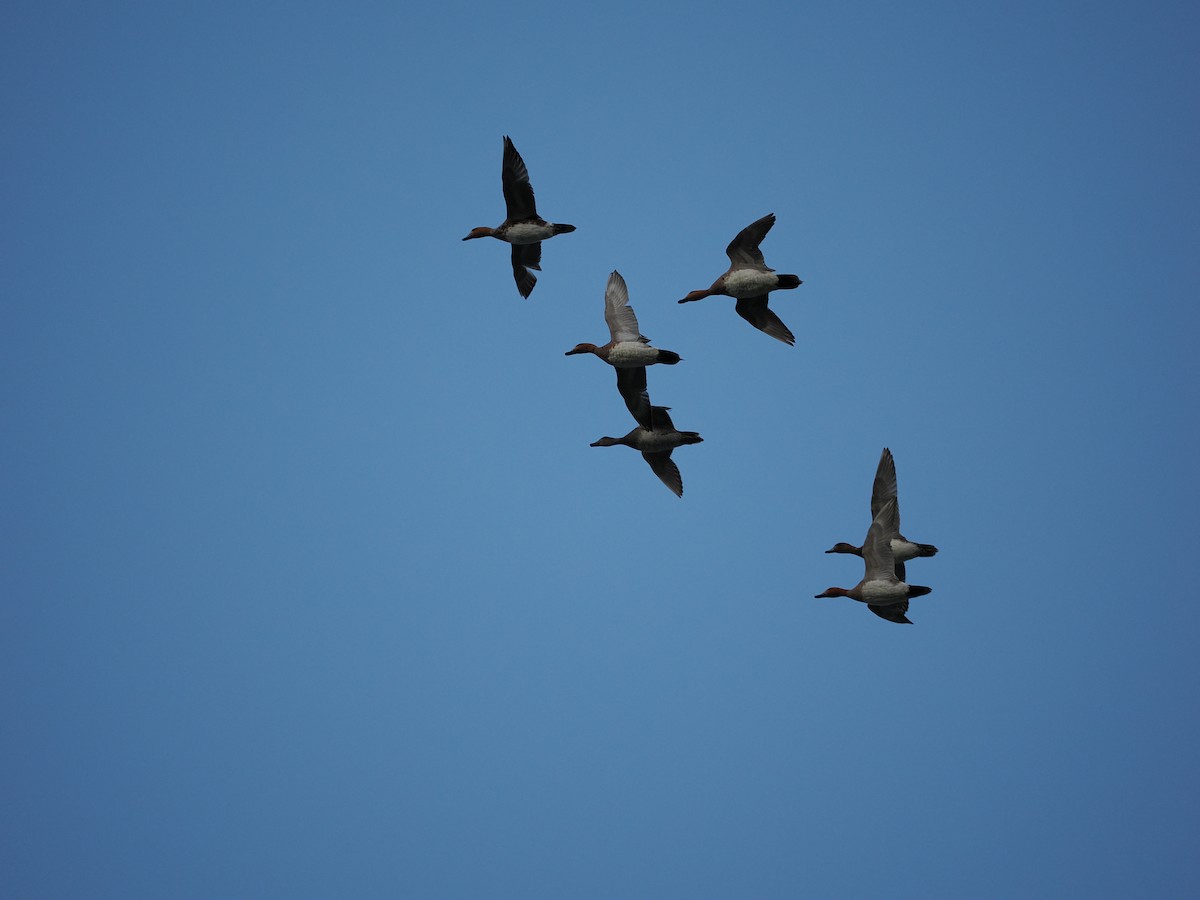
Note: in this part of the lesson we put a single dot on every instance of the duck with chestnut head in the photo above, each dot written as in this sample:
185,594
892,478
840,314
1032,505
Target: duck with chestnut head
523,227
882,490
627,351
748,280
885,594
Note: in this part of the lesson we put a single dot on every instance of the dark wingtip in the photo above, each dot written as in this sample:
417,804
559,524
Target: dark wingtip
525,284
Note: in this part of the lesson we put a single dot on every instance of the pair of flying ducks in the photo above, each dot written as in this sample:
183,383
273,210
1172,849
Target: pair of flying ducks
748,279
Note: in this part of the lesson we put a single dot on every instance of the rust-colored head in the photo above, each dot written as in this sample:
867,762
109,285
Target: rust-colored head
832,592
481,231
581,348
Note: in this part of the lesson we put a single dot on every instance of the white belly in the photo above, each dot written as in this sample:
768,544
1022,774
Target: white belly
630,354
903,551
884,592
744,283
528,233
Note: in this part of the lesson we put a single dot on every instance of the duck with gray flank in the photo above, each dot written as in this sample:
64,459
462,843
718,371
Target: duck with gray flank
628,351
885,595
749,280
883,490
656,445
523,228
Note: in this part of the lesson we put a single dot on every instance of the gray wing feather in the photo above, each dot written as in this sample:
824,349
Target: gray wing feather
877,548
884,488
622,323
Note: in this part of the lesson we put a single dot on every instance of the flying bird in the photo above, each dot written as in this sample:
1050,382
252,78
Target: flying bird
523,228
749,280
883,490
656,445
885,594
628,351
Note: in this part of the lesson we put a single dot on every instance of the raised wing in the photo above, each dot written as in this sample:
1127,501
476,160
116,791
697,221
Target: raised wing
884,488
743,250
754,310
877,548
518,192
666,470
622,323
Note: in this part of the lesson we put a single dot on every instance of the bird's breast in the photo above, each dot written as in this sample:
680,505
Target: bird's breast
528,232
743,283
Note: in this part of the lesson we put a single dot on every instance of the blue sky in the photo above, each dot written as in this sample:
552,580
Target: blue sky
313,587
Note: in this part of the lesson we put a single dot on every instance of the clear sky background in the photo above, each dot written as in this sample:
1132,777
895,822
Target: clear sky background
312,586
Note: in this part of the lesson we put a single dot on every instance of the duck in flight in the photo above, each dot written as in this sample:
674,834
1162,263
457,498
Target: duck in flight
628,351
749,280
885,595
656,444
883,490
523,228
